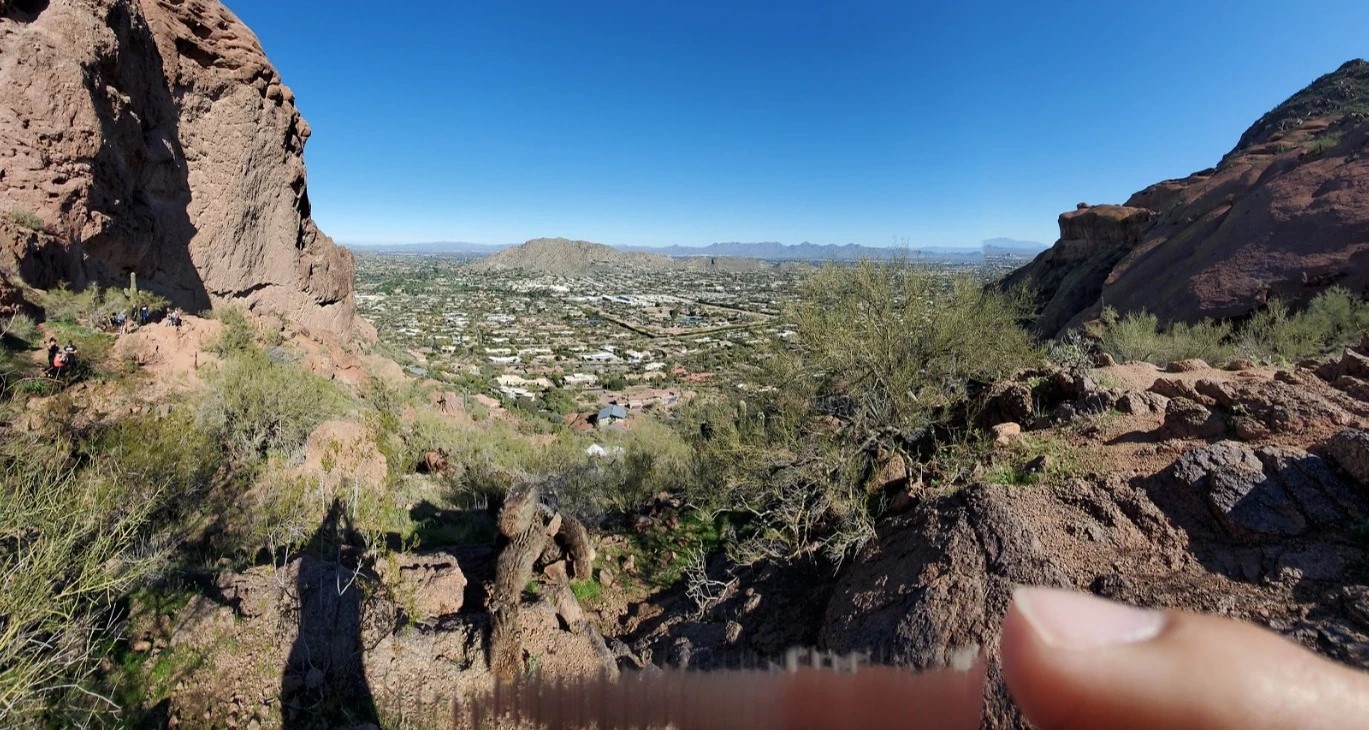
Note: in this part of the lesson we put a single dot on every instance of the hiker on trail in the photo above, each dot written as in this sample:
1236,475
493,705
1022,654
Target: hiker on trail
143,315
175,318
121,319
53,351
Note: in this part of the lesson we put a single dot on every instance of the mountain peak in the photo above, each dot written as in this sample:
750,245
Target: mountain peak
1340,93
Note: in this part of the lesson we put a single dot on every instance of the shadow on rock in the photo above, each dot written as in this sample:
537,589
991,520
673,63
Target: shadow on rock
324,681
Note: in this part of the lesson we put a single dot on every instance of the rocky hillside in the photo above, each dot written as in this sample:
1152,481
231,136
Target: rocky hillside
154,137
563,257
1284,214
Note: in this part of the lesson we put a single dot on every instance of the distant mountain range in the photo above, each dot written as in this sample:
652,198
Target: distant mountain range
769,250
562,257
774,251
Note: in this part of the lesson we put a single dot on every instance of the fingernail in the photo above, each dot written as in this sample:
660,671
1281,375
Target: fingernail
1069,620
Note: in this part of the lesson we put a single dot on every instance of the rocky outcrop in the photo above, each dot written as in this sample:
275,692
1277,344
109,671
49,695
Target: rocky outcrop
154,137
1285,214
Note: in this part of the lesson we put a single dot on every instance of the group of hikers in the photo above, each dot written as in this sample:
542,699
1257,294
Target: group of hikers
123,321
61,360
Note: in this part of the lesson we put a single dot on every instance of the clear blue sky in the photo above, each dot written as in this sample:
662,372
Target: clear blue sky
671,121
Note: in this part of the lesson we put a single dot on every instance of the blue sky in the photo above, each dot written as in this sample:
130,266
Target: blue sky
662,122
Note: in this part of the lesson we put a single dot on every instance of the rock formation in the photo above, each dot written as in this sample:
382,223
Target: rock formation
1284,214
154,137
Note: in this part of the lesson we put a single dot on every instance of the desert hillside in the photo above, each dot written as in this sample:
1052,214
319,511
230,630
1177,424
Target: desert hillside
263,513
1284,215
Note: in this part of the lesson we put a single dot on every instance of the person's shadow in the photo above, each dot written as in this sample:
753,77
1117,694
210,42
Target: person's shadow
324,682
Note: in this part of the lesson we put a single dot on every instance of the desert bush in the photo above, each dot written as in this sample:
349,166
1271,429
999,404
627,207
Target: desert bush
258,408
883,356
28,219
61,304
72,542
1137,337
641,463
19,327
1073,350
237,335
1334,317
113,301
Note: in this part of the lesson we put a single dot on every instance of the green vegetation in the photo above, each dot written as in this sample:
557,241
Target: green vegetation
1273,334
1139,337
882,358
94,306
587,591
259,408
28,219
1324,142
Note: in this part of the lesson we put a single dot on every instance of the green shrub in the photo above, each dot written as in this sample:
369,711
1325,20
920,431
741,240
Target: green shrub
74,542
1334,317
61,304
113,301
258,408
881,360
28,219
19,327
1137,337
237,335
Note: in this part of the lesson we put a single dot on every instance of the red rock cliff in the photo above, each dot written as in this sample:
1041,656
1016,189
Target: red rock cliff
1285,213
153,136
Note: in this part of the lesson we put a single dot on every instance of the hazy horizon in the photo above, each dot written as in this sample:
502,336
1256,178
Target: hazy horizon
659,123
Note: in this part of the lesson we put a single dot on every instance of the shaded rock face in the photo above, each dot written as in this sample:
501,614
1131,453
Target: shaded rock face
1286,214
154,137
1261,534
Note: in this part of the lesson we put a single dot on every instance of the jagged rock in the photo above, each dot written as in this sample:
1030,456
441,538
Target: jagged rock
1006,433
1176,388
156,138
1187,419
893,474
1073,385
1309,479
1004,403
1350,450
433,462
1354,387
1356,602
1247,428
431,585
1266,494
1351,364
1318,562
1104,360
1240,364
1142,403
1186,366
1218,392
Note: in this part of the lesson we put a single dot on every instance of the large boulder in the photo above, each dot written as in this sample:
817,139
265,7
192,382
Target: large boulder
1265,494
431,586
1350,450
156,138
1187,419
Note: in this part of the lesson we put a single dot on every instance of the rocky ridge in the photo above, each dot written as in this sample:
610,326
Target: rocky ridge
154,137
1284,214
